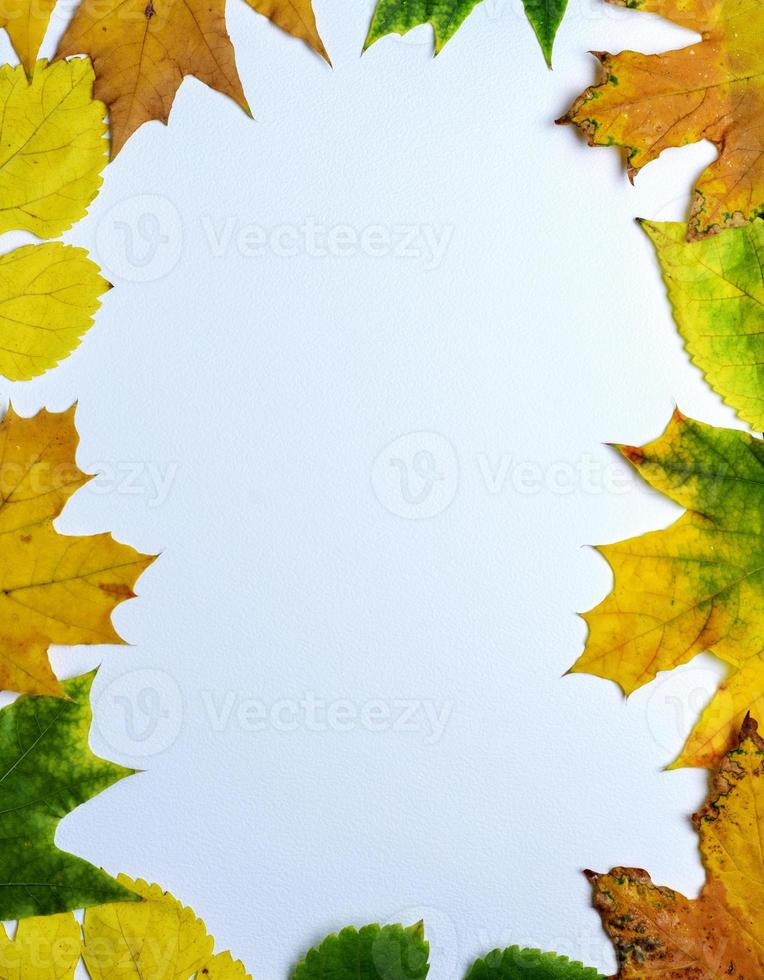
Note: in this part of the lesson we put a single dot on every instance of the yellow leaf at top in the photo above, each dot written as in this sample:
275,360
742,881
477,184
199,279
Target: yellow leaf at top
46,947
54,588
157,939
27,22
698,585
711,90
142,50
659,933
48,296
296,17
52,146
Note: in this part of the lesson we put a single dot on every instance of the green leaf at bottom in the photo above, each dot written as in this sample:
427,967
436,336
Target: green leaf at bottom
529,964
371,953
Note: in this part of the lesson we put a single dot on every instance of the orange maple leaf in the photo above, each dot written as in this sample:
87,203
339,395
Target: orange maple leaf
712,90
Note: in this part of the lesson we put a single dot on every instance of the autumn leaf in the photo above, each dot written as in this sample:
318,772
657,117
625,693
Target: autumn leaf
447,16
47,771
156,939
142,51
699,585
45,947
52,147
716,289
54,588
711,90
48,296
371,953
515,963
660,933
296,17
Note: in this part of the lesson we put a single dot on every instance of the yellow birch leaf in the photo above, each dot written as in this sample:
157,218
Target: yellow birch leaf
157,939
698,585
48,296
54,588
45,947
52,146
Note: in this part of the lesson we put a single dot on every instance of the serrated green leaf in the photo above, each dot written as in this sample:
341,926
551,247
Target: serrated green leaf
46,770
716,290
371,953
447,16
516,963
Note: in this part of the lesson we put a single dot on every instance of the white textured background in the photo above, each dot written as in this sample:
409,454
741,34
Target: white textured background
248,413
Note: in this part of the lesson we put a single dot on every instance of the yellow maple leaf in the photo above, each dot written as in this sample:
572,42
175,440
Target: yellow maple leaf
52,146
45,947
698,585
54,588
48,296
711,90
157,939
660,933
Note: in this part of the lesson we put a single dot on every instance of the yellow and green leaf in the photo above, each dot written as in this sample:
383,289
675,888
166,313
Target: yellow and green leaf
47,770
698,585
716,289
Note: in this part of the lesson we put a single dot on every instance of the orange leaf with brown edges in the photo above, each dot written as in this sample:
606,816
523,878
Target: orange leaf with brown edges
659,933
711,90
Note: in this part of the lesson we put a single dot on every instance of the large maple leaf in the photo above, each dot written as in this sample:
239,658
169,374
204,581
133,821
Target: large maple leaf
698,585
712,90
659,933
142,49
716,289
47,769
54,588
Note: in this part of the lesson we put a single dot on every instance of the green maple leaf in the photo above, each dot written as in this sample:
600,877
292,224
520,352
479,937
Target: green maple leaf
529,964
371,953
447,16
716,289
46,770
